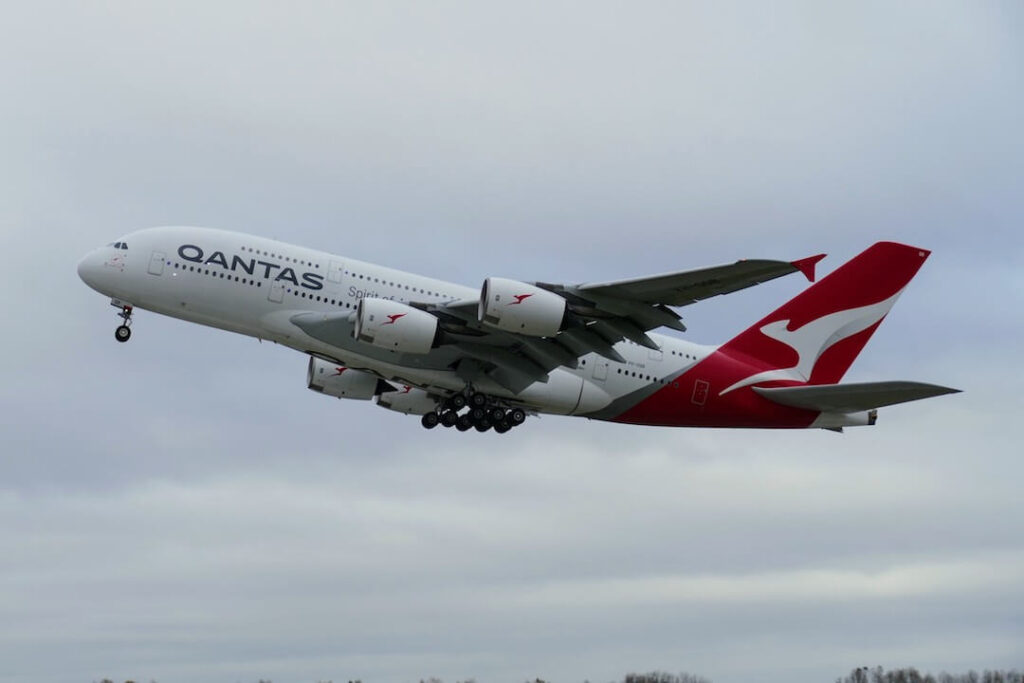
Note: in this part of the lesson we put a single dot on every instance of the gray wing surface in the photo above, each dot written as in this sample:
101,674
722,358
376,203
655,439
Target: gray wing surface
852,398
686,287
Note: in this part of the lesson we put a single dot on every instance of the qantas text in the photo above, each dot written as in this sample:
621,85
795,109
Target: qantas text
191,252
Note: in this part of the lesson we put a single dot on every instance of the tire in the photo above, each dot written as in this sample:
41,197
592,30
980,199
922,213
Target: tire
464,423
449,418
477,414
502,427
430,420
478,400
497,415
481,427
458,401
123,333
516,417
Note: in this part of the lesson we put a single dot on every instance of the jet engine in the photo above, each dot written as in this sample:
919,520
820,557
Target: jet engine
336,380
518,307
394,326
408,400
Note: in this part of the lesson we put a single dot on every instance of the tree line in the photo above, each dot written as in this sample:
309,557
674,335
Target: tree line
859,675
911,675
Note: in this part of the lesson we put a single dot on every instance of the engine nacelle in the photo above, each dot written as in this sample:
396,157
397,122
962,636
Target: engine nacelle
408,400
394,326
518,307
339,381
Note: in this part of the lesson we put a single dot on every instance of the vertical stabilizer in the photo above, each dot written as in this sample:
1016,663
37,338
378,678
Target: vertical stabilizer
815,337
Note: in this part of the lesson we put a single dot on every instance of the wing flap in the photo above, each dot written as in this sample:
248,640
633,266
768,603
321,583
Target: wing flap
851,398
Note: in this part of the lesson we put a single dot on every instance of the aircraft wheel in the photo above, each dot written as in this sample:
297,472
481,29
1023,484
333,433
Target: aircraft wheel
497,414
516,416
477,414
458,402
123,333
464,423
502,427
430,420
483,425
478,400
449,418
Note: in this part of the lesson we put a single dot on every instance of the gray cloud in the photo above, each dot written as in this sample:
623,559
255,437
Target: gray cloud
180,507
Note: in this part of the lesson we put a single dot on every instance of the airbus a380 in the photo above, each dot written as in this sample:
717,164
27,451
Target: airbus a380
487,358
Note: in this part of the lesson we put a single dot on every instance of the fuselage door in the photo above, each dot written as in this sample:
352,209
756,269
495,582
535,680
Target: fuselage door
276,291
334,271
156,263
600,370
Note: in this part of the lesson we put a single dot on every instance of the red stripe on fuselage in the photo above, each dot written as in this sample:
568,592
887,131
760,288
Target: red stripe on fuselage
688,402
674,405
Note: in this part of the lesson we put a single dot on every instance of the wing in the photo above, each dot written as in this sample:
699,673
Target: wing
600,315
686,287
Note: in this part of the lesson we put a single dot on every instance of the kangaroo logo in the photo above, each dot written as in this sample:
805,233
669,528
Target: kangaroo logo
812,340
519,298
393,317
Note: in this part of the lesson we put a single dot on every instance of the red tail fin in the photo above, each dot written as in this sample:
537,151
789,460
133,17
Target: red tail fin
816,336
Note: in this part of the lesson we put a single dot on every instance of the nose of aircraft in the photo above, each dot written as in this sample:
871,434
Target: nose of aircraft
89,268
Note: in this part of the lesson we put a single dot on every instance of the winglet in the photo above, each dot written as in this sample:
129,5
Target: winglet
806,265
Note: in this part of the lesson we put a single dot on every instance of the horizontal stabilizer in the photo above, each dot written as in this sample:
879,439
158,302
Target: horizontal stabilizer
851,398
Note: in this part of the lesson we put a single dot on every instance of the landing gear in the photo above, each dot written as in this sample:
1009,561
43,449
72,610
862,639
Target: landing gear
482,412
124,332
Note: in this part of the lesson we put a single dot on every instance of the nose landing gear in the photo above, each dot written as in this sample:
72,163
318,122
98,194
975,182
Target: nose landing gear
124,332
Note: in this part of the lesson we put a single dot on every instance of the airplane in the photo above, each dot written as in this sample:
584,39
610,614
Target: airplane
488,358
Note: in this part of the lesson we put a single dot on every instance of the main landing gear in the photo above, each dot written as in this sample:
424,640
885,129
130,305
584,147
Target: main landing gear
483,413
124,332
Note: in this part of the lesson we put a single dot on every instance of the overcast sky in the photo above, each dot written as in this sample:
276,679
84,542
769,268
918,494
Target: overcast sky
181,508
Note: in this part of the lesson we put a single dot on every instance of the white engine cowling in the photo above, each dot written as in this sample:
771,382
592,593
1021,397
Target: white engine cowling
339,381
408,400
394,326
518,307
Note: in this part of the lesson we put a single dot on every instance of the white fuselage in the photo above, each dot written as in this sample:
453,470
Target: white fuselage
254,286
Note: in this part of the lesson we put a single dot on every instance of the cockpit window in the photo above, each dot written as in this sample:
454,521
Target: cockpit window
119,245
